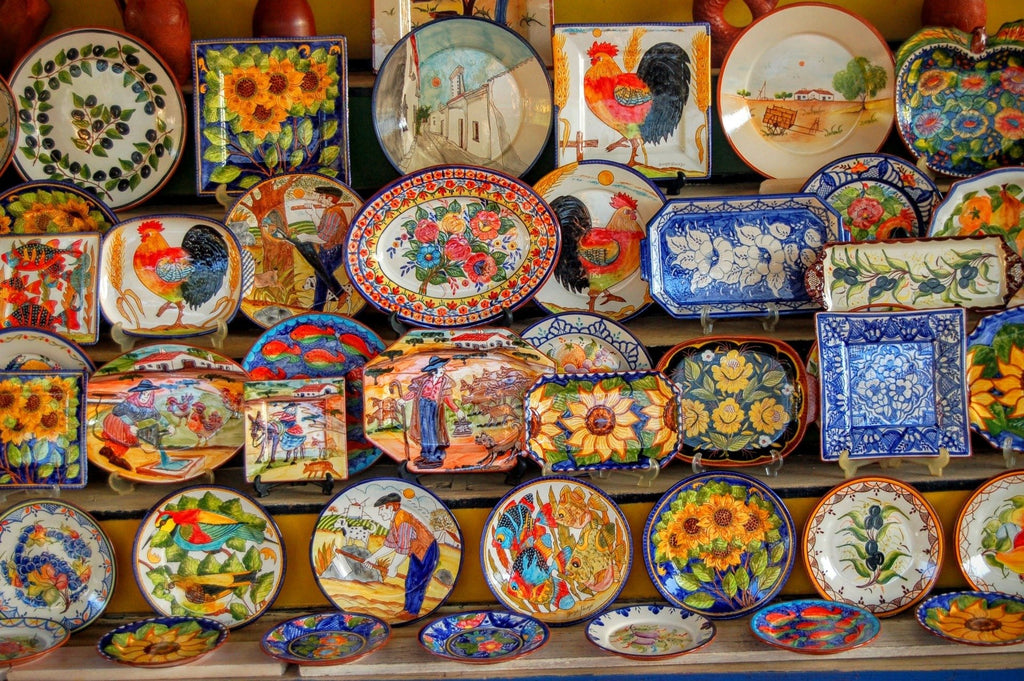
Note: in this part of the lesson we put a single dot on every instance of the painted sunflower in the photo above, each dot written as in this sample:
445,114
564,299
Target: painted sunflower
601,422
978,622
314,84
157,644
1011,383
725,517
684,532
244,89
732,373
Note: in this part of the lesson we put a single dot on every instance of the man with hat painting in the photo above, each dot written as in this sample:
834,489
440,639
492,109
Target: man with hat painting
431,393
411,542
132,420
333,225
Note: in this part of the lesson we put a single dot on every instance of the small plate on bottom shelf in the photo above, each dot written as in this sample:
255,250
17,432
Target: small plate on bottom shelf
162,641
483,636
814,626
325,638
650,632
24,639
981,618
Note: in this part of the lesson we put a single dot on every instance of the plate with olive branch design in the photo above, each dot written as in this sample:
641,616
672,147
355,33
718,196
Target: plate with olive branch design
101,110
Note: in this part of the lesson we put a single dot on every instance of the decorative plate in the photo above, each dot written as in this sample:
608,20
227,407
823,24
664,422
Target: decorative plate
475,422
462,90
209,551
989,535
52,207
893,384
8,124
162,641
325,638
269,106
661,127
320,345
978,618
388,548
878,196
292,232
557,549
744,400
483,636
99,109
619,421
24,639
959,100
38,350
736,255
803,86
995,357
650,632
603,209
719,544
57,561
874,542
584,342
814,626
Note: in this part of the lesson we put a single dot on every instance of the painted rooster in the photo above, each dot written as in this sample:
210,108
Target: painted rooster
204,425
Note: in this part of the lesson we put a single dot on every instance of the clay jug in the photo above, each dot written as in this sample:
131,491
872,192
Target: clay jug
283,18
21,21
163,24
723,34
966,15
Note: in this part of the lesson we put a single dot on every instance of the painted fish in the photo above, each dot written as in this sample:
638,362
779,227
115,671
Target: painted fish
36,256
310,333
33,314
276,350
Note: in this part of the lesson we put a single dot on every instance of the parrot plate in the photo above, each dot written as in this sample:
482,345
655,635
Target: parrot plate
325,638
580,341
24,639
483,636
162,641
650,632
52,207
989,534
815,626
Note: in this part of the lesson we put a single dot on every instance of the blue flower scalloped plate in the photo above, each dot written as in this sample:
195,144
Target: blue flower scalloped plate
483,636
325,638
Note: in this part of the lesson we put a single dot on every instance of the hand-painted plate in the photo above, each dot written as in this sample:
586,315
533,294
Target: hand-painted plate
162,641
650,632
24,639
584,342
8,124
452,246
292,231
989,535
995,357
321,345
209,551
603,209
719,544
878,196
38,350
99,109
979,618
388,548
814,626
325,638
57,562
49,207
556,549
483,636
486,92
874,542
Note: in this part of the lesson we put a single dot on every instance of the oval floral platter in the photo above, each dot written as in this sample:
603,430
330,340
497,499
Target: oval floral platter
25,349
874,542
43,206
8,124
585,342
99,109
483,636
720,544
162,641
994,361
989,535
57,562
452,246
209,551
25,639
814,626
650,632
980,618
603,209
556,549
325,638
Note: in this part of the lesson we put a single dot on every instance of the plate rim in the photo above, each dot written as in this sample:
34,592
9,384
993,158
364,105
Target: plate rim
962,185
74,350
61,635
623,613
544,628
372,645
135,625
866,614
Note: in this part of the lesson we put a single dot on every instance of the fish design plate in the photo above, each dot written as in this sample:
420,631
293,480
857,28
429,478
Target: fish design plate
585,342
814,626
988,535
25,639
38,350
650,632
483,636
52,207
325,638
162,641
978,618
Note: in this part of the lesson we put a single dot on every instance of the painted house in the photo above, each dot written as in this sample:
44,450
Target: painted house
815,94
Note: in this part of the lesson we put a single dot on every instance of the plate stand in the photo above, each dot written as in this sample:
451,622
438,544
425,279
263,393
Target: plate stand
771,469
771,320
265,488
707,324
935,464
671,186
1009,454
122,485
644,477
126,341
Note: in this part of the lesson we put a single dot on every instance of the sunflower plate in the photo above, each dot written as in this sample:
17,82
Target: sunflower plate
981,618
162,641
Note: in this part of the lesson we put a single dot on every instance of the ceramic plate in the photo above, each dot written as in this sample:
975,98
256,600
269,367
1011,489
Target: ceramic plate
979,618
269,106
719,544
99,109
452,246
325,638
744,401
584,342
48,207
8,124
24,639
292,232
814,626
661,127
556,549
803,86
320,345
603,209
388,548
989,535
874,542
995,355
893,384
162,641
209,551
462,90
878,196
57,561
483,636
38,350
650,632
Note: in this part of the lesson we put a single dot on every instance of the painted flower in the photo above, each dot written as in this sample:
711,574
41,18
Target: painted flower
973,82
544,425
1012,79
314,84
724,515
35,402
661,417
11,396
282,81
602,422
71,215
732,373
901,225
722,556
932,82
1010,123
244,89
264,120
728,416
480,267
5,223
761,520
981,389
425,231
52,424
490,646
428,257
155,643
975,213
929,123
865,211
695,417
768,416
1010,383
978,622
969,124
453,223
457,248
485,225
708,261
683,533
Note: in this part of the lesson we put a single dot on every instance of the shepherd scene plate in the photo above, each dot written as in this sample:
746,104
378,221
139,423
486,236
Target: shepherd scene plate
814,626
584,342
989,535
650,632
52,207
995,355
24,639
162,641
38,350
980,618
483,636
99,109
325,638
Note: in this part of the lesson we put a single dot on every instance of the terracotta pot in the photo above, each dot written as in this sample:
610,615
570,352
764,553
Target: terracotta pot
163,24
723,34
21,21
966,15
283,18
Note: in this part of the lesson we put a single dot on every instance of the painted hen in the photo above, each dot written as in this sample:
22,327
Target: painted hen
204,425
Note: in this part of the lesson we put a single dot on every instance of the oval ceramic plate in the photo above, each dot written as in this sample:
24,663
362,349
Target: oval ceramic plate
995,354
556,549
388,548
719,544
8,124
99,109
980,618
814,626
452,246
483,636
650,632
487,94
584,342
989,535
48,207
603,209
24,639
209,551
162,641
874,542
38,350
57,561
325,638
292,232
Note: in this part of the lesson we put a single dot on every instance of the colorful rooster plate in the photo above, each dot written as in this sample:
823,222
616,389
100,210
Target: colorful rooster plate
585,342
650,632
979,618
325,638
162,641
483,636
38,350
24,639
814,626
9,124
989,535
52,207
